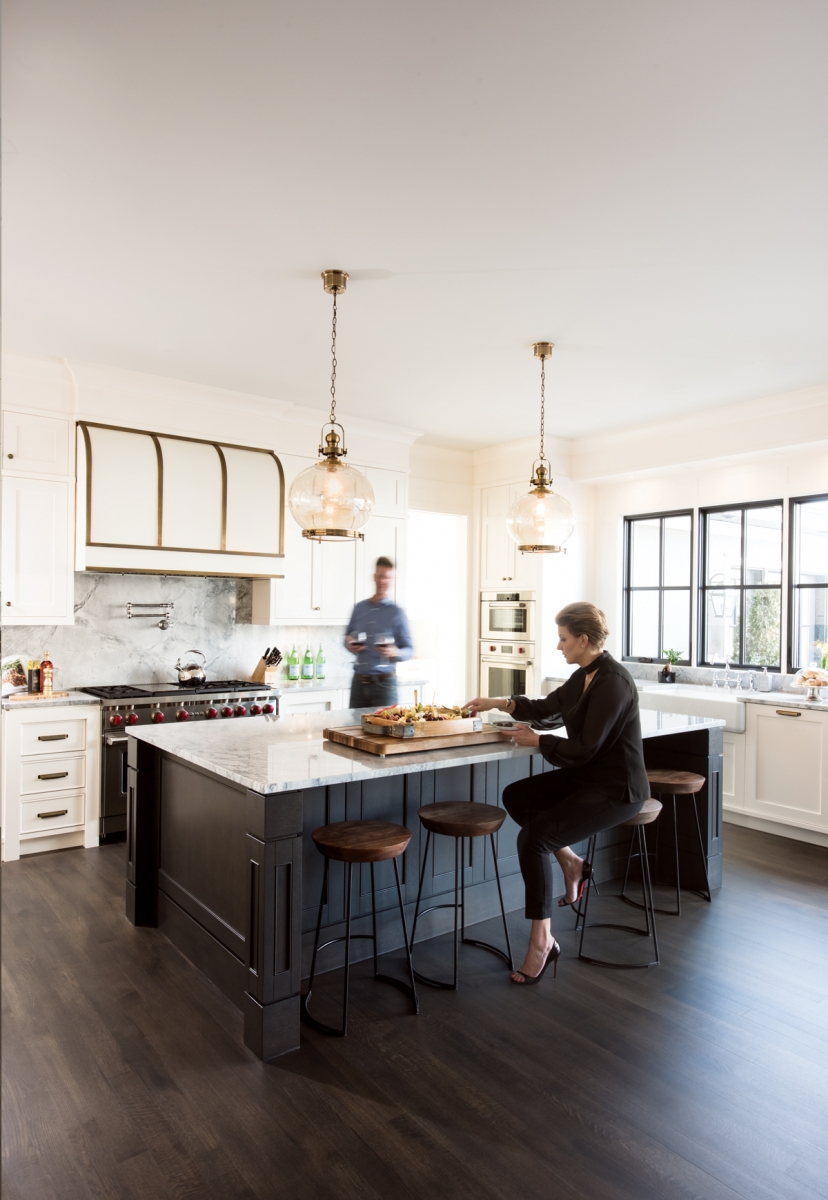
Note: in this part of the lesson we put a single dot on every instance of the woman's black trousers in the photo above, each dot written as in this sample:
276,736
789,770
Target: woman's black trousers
554,810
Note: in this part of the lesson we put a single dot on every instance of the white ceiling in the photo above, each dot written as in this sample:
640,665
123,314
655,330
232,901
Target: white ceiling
643,183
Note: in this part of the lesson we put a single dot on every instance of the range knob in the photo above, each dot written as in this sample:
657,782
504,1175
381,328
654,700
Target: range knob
132,718
116,719
227,711
182,715
157,716
267,708
240,710
211,714
255,709
492,649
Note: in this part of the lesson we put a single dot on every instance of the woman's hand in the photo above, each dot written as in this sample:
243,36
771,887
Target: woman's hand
484,703
524,736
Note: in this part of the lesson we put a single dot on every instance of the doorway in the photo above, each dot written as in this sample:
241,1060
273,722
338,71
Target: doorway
437,590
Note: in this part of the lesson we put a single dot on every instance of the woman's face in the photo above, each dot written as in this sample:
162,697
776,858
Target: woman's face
572,648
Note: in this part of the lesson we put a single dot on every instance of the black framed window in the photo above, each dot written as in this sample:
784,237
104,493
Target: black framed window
658,565
740,593
808,597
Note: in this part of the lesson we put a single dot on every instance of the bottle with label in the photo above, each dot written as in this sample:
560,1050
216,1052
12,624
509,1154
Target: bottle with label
307,664
320,664
293,664
46,675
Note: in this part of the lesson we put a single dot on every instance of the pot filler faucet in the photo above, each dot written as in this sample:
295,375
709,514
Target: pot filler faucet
165,614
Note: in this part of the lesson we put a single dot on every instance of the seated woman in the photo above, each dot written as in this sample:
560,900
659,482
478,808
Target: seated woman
602,780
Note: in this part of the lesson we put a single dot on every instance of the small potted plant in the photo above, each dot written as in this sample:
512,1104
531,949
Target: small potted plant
667,674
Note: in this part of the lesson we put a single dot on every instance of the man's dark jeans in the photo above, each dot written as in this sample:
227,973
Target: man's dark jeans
374,691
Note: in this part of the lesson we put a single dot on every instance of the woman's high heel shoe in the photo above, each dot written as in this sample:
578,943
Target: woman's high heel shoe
552,957
586,871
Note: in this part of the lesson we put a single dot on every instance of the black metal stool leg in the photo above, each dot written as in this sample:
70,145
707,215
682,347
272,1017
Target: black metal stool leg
374,921
420,888
509,958
649,915
666,912
457,870
707,897
590,857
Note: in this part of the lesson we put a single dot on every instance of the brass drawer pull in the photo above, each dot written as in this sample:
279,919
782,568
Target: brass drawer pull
54,775
51,737
787,712
59,812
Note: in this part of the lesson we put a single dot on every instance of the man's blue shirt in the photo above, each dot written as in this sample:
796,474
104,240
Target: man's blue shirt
383,618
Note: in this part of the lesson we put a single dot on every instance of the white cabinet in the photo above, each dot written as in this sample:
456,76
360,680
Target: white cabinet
389,491
51,777
384,537
296,703
34,445
786,765
733,771
500,560
37,551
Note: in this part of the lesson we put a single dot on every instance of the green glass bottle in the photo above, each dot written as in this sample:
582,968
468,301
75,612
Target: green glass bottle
320,664
307,664
293,664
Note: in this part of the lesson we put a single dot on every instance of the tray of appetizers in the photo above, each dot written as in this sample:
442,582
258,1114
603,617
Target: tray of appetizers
421,720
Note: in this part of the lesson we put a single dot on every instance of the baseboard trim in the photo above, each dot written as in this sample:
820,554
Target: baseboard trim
778,828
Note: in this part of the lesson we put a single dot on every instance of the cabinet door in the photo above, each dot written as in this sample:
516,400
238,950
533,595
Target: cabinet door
497,550
37,558
334,580
36,445
389,491
296,592
384,537
786,765
525,571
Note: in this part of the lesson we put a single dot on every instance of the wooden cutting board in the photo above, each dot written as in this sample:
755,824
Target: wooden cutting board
353,736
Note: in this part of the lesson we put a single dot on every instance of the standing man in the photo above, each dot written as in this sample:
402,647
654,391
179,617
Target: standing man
379,637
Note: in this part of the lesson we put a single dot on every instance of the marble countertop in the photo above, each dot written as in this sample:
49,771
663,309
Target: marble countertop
284,754
784,700
336,683
74,697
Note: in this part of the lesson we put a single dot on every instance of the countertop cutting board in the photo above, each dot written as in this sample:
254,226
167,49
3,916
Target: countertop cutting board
357,739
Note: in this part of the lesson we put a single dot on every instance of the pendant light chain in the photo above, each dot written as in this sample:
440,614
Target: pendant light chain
543,404
333,360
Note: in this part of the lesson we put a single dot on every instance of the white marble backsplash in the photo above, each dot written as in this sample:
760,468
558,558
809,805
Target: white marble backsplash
702,675
212,615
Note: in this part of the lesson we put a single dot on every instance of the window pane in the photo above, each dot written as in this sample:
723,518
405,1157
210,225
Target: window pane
811,556
722,626
676,618
677,536
763,549
724,547
644,625
763,610
644,539
810,625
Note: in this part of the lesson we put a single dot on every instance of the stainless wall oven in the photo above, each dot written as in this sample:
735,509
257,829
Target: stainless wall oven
509,614
507,668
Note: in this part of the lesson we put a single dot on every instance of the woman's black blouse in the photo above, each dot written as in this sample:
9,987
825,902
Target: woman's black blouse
603,745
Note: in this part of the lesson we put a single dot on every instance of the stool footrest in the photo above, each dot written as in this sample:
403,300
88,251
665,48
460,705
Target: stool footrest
450,987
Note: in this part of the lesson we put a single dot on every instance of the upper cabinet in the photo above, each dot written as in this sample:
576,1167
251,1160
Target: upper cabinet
34,445
500,560
173,505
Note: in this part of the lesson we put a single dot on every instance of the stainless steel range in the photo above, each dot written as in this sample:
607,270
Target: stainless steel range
129,705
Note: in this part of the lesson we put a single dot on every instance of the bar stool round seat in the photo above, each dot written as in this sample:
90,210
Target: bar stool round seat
670,785
650,812
460,819
355,842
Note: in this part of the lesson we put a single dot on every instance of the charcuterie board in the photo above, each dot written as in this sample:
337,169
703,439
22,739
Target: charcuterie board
377,743
373,725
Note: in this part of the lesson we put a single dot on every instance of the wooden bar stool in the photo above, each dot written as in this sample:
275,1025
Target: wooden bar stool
358,842
671,784
460,819
649,813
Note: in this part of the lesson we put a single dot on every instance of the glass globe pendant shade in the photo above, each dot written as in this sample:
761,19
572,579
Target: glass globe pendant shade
331,500
540,522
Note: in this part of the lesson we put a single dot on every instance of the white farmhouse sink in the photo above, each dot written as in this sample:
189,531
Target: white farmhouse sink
696,700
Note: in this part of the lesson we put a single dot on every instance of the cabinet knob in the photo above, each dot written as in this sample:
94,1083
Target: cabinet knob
9,456
8,604
317,607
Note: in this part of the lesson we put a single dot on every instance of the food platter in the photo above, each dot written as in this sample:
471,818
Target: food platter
420,720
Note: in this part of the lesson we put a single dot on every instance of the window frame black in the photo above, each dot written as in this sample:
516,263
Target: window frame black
628,588
703,587
792,586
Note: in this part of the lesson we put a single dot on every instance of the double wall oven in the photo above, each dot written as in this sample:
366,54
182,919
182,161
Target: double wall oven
507,643
125,706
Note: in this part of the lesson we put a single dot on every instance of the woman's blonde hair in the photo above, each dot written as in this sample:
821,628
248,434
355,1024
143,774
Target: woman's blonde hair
587,618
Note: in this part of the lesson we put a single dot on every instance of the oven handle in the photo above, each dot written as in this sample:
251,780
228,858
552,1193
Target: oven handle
111,741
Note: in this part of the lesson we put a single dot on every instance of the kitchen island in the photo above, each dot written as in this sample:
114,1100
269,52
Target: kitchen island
219,853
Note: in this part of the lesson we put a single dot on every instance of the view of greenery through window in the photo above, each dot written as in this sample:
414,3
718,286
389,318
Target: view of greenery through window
741,593
809,581
659,567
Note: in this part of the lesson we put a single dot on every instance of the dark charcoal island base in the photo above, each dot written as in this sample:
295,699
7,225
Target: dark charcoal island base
231,876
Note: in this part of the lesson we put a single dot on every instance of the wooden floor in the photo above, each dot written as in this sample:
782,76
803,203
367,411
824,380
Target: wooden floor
125,1074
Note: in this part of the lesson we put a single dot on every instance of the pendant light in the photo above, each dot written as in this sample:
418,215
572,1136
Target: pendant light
541,521
331,500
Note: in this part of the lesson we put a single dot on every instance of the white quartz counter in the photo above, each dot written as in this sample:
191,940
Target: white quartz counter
273,754
74,697
784,700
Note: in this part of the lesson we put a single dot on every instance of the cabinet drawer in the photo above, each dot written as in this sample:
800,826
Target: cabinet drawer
63,736
60,774
52,812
